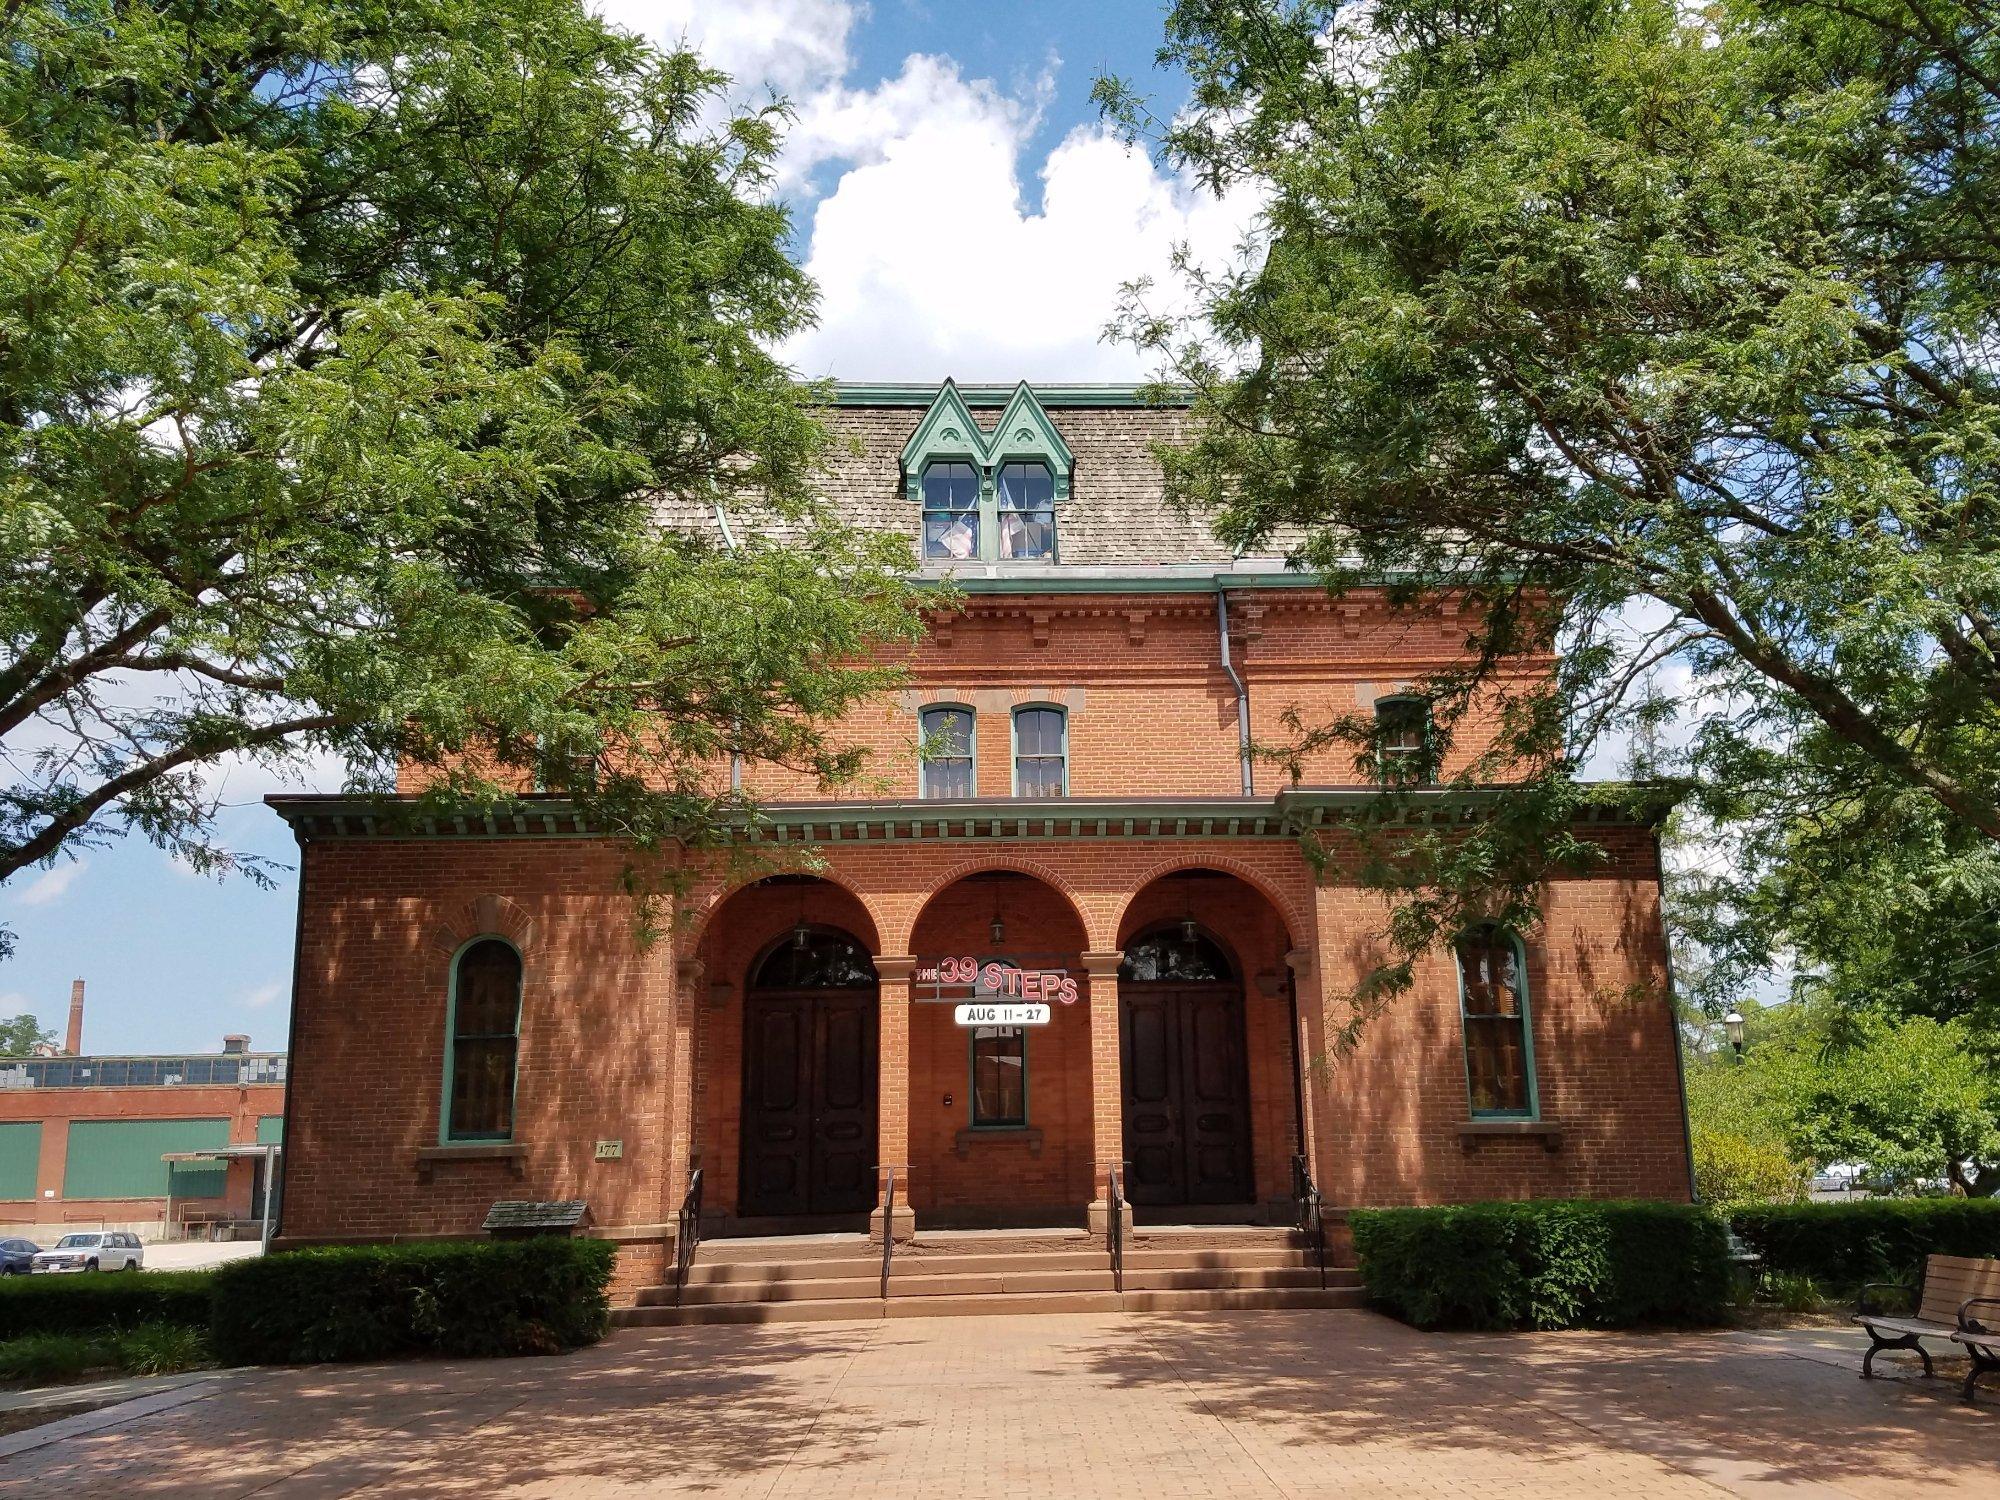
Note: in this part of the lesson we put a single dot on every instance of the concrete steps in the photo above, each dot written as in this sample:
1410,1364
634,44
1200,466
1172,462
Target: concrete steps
829,1277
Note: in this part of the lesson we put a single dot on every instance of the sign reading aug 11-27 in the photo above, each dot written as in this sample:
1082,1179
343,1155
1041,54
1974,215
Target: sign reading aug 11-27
1010,995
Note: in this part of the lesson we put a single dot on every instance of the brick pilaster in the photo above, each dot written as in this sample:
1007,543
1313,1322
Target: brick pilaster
892,1084
1107,1090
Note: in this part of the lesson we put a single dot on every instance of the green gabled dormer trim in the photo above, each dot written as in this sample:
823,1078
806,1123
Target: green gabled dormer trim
946,433
1026,435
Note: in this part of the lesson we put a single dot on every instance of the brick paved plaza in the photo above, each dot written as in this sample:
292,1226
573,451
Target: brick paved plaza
1139,1407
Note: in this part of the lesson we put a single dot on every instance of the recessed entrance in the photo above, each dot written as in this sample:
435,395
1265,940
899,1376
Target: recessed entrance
809,1063
1186,1085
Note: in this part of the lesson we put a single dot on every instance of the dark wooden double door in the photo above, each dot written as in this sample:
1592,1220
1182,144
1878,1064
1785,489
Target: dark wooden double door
1187,1094
809,1101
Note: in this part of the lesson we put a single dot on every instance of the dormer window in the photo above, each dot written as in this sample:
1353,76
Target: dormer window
951,511
1027,512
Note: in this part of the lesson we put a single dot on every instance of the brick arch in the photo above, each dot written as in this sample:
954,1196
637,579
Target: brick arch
698,926
1296,926
1080,905
485,916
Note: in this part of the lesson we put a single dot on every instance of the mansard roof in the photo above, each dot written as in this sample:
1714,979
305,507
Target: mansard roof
1114,516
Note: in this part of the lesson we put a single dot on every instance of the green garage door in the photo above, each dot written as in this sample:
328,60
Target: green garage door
121,1158
20,1151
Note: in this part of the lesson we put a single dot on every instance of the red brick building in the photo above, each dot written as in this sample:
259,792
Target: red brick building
1065,821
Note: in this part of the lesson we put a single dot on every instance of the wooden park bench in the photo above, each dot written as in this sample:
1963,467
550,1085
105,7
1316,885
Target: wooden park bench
1959,1300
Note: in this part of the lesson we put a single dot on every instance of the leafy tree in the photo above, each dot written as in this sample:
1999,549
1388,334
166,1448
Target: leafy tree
1668,335
343,349
20,1035
1905,1098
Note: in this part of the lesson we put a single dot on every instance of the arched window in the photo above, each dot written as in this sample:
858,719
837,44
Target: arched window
1180,953
815,958
1403,740
1027,512
949,770
951,512
483,1042
1499,1044
1041,752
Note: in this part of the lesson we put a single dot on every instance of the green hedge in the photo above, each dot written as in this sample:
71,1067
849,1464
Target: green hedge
1877,1239
96,1301
1556,1264
471,1297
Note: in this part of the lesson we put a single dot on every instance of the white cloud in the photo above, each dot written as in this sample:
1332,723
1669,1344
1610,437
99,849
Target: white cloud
265,994
52,885
793,46
929,261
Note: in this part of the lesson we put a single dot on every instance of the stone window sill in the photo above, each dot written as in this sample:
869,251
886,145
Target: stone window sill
514,1153
997,1135
1472,1134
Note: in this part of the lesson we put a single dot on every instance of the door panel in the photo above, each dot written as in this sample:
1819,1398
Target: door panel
1187,1108
843,1166
808,1104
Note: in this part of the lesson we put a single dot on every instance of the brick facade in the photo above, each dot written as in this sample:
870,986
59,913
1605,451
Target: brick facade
644,1044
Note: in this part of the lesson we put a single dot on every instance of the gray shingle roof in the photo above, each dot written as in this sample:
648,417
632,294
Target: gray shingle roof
1116,516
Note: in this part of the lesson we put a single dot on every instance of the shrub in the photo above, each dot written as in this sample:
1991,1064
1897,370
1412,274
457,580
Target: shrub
1793,1292
1878,1239
1730,1169
45,1358
94,1301
475,1297
163,1349
1563,1264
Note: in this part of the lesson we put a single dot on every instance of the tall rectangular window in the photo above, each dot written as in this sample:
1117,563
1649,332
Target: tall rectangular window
1403,740
999,1075
951,512
484,1044
1041,752
1493,1003
1027,512
947,752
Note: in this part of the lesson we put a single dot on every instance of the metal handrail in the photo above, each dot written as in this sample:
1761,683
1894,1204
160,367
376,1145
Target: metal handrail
1117,1233
687,1238
888,1229
1312,1213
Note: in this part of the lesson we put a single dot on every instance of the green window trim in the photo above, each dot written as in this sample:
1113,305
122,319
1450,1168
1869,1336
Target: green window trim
1526,1021
1388,765
447,1134
1061,757
925,762
974,1036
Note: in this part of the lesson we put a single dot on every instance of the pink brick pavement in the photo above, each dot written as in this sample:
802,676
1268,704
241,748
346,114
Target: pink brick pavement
1137,1407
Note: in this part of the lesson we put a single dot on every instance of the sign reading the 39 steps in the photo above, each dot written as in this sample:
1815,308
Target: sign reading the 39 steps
1000,1015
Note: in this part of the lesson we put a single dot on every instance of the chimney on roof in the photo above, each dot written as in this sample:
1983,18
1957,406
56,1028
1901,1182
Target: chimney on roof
74,1045
235,1044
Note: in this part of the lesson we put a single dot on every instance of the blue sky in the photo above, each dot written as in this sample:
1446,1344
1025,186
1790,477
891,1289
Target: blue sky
897,102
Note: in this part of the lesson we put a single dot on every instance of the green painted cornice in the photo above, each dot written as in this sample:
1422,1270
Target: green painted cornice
865,393
1287,815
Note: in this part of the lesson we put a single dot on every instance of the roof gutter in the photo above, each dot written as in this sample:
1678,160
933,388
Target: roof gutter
1242,690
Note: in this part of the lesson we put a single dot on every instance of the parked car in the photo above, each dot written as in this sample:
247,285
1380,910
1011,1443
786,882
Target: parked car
17,1257
102,1250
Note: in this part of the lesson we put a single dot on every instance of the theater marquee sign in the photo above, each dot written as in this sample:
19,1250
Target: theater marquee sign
995,991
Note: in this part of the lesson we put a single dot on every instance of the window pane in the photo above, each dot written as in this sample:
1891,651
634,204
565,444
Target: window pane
951,511
1039,777
1496,1063
948,732
1027,511
482,1087
1038,731
1492,985
1403,735
489,990
999,1075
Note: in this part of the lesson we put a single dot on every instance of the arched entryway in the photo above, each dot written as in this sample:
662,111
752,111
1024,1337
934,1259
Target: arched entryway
1184,1068
810,1013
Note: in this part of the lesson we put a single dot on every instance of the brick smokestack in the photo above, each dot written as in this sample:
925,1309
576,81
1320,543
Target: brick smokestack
74,1045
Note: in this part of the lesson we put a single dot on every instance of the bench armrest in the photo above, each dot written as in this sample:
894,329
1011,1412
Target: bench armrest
1865,1306
1969,1324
